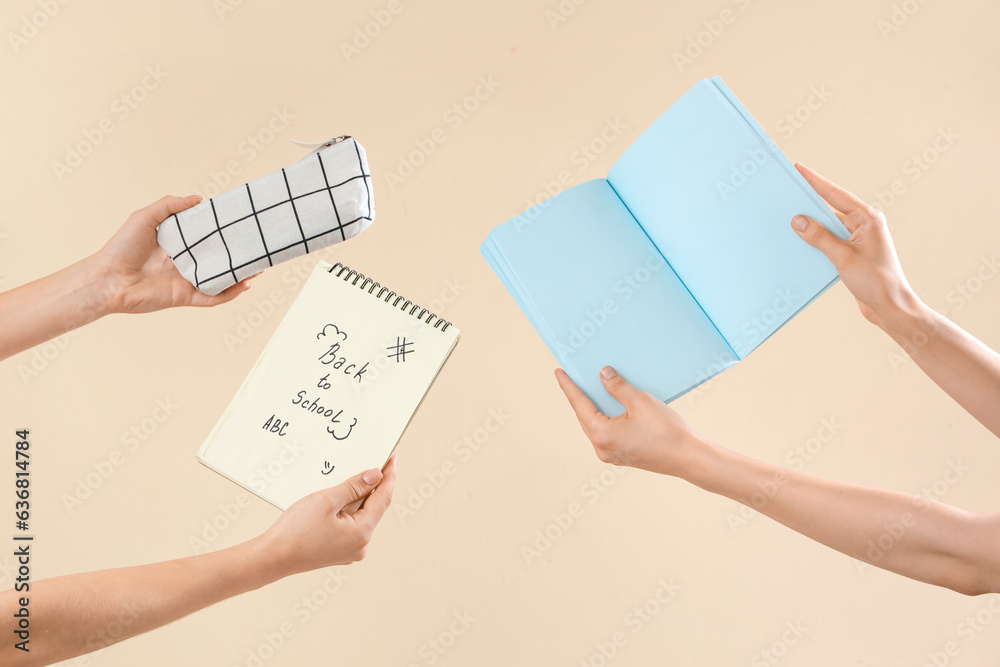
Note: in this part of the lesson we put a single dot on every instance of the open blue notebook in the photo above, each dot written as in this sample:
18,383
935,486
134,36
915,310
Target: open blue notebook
676,266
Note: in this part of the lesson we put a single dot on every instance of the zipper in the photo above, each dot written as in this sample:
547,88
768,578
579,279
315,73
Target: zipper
326,144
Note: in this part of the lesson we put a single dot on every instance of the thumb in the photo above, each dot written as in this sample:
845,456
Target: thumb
815,234
356,488
616,385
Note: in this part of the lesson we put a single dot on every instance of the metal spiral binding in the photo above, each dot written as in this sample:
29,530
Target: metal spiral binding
352,276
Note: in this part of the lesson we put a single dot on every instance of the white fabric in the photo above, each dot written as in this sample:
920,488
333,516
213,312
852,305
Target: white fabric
323,199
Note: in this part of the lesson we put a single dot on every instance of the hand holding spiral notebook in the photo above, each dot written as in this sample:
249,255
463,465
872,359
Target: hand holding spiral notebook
333,391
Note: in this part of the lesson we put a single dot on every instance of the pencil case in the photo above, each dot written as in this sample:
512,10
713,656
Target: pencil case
323,199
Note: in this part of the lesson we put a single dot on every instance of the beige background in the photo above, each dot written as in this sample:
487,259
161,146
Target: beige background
740,584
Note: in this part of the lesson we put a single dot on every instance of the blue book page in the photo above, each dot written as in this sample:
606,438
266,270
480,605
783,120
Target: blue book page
717,196
598,292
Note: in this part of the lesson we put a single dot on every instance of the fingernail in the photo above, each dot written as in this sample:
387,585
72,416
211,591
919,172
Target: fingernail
372,476
800,223
195,197
608,373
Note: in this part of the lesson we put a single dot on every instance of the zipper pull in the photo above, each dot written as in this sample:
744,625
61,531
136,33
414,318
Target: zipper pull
320,146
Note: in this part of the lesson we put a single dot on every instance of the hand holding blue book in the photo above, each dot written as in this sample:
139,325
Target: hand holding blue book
676,266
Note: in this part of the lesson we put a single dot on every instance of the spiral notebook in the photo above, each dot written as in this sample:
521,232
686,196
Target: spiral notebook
333,390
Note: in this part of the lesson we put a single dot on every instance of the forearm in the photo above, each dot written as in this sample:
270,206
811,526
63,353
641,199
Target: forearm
52,306
956,361
81,613
913,536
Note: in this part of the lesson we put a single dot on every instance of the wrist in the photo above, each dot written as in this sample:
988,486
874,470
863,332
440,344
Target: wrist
725,472
700,461
100,291
907,317
264,562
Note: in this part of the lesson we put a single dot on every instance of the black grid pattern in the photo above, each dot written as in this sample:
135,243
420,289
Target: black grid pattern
283,215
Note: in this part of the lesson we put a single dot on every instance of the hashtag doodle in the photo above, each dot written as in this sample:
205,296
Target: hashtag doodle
400,349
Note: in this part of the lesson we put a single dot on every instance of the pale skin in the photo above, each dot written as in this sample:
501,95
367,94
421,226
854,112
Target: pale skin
81,613
923,539
130,274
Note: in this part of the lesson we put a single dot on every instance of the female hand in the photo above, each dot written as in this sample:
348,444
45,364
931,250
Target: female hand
139,277
648,435
324,529
866,261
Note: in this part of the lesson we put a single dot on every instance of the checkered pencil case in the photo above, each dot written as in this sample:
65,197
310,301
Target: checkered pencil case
323,199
